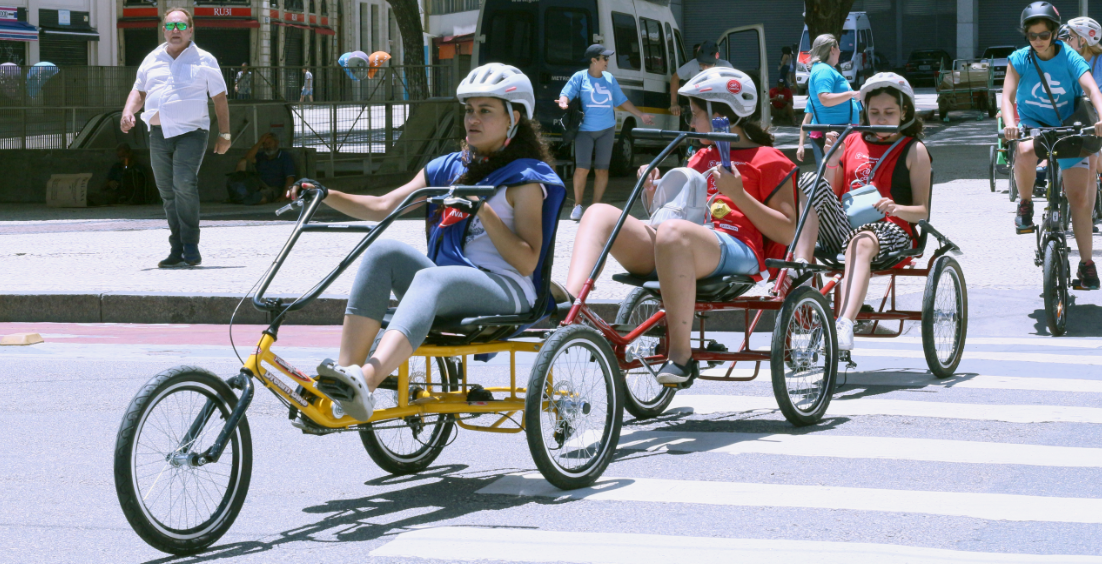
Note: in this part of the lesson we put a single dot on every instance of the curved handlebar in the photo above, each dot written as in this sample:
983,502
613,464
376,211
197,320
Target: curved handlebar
862,128
641,133
1030,132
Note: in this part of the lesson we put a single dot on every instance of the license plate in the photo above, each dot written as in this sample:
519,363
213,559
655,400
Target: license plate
923,67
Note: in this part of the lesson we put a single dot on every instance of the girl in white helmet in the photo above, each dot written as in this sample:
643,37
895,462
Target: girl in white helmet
898,165
1083,35
483,255
754,215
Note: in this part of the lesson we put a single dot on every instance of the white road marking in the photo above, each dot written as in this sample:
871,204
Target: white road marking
992,507
1061,342
842,446
971,354
909,378
521,545
906,408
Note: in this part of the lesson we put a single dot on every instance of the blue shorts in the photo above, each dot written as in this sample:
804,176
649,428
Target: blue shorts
307,92
735,257
1065,164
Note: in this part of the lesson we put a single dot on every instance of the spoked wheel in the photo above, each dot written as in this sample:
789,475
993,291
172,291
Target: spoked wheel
944,317
994,161
573,411
1056,289
173,501
411,444
804,357
1013,191
645,397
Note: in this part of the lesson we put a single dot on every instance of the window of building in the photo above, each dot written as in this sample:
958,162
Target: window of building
374,28
654,52
627,41
567,35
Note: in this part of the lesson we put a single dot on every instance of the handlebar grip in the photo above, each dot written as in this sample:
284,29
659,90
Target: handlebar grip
467,191
643,133
862,128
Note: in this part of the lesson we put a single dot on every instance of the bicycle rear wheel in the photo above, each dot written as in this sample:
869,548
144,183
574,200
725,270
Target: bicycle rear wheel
645,397
1055,289
173,502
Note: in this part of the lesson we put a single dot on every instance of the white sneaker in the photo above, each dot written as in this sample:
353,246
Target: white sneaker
577,213
360,407
845,334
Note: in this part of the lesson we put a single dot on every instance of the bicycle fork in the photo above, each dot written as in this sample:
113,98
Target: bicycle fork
183,454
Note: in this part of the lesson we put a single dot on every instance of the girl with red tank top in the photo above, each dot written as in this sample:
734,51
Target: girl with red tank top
902,177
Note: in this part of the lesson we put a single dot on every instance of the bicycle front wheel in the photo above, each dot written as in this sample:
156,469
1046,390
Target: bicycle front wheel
173,502
1055,290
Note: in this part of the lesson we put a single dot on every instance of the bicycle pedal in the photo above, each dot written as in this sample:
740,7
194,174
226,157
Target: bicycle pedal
335,389
1026,229
847,357
1076,286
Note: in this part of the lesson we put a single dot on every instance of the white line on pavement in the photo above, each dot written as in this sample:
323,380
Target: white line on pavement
992,507
520,545
857,407
925,379
970,354
1063,342
842,446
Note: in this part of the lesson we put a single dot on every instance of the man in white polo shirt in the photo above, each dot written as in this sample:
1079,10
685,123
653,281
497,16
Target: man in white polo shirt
173,84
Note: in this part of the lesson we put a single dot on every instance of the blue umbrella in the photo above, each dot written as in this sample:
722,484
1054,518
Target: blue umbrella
355,64
38,75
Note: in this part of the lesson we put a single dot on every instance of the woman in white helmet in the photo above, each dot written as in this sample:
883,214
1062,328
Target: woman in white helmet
482,254
1083,35
753,214
897,164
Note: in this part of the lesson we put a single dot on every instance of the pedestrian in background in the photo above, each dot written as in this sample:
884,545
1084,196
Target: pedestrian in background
830,100
173,84
781,98
600,94
307,86
706,56
243,83
786,64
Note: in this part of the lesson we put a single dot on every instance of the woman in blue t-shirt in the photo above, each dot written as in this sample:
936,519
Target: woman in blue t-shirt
601,96
830,100
1068,77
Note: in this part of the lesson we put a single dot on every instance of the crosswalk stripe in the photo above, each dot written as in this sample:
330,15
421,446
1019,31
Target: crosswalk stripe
521,545
972,354
908,378
1062,342
992,507
842,446
702,403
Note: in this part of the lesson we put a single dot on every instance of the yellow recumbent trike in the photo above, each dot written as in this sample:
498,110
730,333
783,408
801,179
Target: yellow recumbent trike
183,455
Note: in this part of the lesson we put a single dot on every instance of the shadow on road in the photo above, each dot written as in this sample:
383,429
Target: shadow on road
1083,321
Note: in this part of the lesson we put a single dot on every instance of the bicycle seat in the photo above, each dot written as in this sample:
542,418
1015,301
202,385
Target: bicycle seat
713,289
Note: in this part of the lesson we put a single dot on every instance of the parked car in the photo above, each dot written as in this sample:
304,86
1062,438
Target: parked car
999,54
858,52
924,64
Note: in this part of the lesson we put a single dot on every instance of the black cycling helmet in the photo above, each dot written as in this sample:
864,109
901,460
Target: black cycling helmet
1040,11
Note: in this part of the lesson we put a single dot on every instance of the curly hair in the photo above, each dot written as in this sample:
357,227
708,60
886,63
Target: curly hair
527,143
914,130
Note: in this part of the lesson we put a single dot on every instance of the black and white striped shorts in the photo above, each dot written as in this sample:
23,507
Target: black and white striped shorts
834,230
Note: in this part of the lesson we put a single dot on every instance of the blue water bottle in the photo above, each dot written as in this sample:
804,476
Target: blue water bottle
723,125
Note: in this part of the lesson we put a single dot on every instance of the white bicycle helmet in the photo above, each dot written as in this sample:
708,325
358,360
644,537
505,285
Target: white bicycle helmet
894,81
721,84
1086,28
497,80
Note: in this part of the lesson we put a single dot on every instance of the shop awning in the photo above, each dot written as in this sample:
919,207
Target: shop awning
85,34
17,31
137,23
239,23
324,30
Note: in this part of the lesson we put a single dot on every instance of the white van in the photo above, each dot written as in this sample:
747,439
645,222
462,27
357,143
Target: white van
547,40
856,61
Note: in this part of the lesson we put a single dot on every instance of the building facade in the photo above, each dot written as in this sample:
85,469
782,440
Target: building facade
63,32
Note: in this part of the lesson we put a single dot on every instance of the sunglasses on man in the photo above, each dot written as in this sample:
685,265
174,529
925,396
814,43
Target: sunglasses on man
182,26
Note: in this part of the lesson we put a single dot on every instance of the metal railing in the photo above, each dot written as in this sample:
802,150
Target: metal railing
109,86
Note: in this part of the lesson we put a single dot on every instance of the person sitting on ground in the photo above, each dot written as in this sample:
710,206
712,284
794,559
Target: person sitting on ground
126,180
897,164
781,98
274,167
753,203
483,264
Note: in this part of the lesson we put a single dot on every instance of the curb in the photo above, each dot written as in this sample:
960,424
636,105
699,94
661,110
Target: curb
216,309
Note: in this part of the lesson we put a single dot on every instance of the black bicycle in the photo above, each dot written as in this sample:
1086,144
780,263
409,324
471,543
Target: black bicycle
1052,245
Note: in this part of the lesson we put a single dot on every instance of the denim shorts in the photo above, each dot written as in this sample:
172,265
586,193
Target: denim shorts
735,257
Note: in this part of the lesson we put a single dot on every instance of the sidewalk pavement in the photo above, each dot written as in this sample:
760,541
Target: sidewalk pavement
99,264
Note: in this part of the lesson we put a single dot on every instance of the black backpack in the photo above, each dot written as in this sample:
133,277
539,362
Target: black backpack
571,121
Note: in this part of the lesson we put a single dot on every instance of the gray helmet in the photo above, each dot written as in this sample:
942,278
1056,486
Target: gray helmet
1040,11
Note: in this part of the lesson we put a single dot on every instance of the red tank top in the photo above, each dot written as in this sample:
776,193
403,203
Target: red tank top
763,170
892,178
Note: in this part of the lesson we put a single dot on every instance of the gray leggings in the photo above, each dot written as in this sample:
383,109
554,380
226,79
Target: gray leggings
586,141
444,291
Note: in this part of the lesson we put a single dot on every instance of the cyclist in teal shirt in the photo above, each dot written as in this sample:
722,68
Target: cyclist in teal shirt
1068,77
600,95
